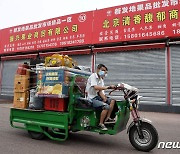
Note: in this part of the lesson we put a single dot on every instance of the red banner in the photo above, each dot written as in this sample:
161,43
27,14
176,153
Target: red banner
137,21
1,37
153,19
70,30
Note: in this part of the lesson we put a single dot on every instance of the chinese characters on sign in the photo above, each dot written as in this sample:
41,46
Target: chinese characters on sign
52,76
138,21
40,34
55,33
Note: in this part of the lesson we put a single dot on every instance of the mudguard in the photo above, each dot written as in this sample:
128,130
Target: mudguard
133,123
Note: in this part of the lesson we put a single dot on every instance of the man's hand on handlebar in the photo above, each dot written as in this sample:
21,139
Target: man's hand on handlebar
116,87
121,86
111,87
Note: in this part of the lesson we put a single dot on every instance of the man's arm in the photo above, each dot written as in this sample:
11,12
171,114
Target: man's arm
96,87
101,94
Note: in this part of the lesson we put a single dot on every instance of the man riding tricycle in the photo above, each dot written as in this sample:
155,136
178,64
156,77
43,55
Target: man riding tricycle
86,108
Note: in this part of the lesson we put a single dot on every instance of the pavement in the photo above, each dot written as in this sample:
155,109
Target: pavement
6,101
17,141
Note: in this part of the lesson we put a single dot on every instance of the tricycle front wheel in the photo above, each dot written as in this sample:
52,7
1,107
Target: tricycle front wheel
149,140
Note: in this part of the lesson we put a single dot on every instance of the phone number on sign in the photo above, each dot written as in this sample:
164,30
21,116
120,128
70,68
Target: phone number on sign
79,41
145,34
177,31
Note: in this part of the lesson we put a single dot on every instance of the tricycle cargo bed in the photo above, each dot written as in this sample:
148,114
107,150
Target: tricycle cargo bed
38,119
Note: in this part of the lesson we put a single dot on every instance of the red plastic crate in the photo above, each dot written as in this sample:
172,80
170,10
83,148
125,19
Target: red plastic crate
55,104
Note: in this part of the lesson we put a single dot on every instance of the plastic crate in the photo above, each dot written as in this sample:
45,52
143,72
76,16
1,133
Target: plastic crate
56,104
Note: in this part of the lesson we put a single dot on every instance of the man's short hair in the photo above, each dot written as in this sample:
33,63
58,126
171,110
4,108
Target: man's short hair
102,65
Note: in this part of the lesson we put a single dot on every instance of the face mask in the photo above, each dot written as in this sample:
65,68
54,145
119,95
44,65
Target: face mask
101,73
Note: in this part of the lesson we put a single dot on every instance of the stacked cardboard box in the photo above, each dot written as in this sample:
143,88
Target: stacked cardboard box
21,83
21,91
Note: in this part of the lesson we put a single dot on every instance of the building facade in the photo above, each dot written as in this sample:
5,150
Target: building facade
139,43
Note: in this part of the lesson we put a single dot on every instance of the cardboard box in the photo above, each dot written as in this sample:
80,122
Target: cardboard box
21,77
21,99
21,83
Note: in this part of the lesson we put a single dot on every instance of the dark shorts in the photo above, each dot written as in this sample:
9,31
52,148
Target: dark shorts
97,102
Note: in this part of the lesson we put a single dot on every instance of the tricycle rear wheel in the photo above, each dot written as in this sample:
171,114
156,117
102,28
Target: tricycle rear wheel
149,141
36,135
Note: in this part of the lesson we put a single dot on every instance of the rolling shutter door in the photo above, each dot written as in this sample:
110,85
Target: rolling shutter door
9,70
83,60
175,64
142,69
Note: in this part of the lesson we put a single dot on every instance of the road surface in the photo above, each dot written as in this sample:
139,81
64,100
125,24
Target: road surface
16,141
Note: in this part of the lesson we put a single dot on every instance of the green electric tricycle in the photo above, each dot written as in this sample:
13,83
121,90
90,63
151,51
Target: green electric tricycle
81,116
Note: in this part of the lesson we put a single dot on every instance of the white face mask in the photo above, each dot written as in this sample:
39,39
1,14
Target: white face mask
101,73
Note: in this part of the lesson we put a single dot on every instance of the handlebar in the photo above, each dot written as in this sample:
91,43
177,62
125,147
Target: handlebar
117,87
129,91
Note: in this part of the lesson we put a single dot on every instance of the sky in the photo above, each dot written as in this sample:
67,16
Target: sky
18,12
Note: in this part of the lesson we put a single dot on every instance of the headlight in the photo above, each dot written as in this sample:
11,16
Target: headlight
138,101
